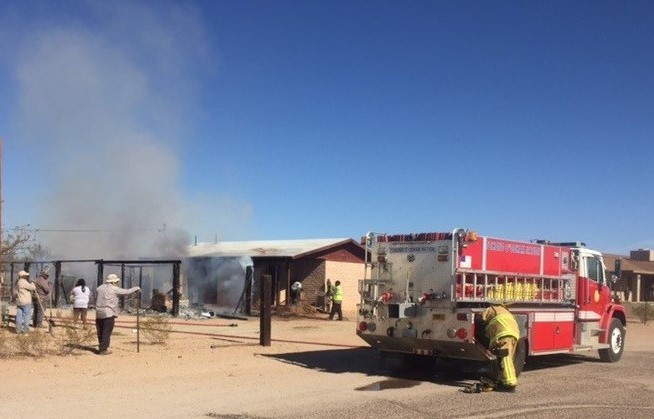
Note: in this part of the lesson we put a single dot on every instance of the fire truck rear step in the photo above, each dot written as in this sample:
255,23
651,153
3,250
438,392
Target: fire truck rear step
582,348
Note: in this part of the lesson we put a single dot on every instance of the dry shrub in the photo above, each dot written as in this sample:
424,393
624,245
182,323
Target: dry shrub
35,343
6,343
156,329
73,338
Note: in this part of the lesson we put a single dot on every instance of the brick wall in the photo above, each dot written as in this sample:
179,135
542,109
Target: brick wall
311,273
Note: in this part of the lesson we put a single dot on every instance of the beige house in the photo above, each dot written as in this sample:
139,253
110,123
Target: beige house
312,262
637,276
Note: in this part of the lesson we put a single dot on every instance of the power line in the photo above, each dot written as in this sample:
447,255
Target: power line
84,230
71,230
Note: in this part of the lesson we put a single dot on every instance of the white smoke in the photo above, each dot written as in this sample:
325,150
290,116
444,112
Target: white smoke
106,106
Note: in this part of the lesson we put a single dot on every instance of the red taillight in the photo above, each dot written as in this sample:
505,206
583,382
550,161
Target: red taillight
363,326
462,333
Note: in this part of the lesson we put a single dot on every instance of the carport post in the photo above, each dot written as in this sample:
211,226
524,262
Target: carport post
264,310
176,288
57,283
99,279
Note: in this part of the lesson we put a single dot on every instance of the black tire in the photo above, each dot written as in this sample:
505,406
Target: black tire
616,337
520,356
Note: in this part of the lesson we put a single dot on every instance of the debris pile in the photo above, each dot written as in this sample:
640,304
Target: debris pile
296,310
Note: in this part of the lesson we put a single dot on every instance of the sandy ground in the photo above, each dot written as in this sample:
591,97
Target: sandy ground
216,368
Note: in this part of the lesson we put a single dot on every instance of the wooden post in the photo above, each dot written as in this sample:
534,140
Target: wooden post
248,290
264,310
138,321
176,288
57,285
99,279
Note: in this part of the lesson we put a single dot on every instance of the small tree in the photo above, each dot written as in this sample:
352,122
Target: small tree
19,243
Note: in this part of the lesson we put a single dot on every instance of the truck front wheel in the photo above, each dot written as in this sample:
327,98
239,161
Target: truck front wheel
616,342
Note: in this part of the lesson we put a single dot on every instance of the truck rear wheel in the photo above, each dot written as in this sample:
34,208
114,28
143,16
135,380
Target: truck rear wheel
616,342
520,356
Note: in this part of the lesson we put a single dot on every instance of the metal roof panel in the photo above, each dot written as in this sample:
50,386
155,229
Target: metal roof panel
262,248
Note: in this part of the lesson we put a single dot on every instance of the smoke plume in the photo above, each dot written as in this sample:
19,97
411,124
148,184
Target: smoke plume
106,105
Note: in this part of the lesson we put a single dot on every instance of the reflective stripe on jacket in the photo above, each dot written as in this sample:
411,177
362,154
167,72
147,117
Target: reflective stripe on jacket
500,323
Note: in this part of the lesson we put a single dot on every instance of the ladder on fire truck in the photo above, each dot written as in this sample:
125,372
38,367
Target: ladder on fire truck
482,286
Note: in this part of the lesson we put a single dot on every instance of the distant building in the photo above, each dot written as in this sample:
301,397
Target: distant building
637,273
311,262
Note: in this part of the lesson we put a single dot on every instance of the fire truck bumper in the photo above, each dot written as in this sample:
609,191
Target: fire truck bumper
437,348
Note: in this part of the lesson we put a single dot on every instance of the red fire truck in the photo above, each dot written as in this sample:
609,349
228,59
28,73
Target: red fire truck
423,294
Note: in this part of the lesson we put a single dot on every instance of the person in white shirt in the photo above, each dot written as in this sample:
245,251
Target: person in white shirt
80,295
296,289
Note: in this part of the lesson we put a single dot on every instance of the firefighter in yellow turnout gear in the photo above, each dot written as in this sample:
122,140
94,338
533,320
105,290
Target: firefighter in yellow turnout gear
503,334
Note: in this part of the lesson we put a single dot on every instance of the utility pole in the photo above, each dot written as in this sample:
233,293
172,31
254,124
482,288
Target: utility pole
1,202
4,305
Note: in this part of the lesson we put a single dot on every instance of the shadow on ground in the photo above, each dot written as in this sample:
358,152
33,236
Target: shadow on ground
536,363
369,362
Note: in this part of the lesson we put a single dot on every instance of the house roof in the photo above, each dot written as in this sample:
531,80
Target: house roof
629,265
266,248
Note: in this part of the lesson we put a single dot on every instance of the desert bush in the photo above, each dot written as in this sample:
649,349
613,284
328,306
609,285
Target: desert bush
35,343
156,329
6,343
71,339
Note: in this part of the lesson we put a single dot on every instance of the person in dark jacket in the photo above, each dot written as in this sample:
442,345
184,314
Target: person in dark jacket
41,297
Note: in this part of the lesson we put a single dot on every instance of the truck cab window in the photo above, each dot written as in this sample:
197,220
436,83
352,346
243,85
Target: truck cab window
594,270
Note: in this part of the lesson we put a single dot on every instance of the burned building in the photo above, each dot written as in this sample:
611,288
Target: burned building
312,262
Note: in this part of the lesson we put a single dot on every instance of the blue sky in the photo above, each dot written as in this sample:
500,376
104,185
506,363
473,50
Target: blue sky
254,120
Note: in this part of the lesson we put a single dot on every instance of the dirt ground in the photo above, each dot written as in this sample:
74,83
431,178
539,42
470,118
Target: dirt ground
212,368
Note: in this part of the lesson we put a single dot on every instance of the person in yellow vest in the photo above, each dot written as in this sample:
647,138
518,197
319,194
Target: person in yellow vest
337,300
503,333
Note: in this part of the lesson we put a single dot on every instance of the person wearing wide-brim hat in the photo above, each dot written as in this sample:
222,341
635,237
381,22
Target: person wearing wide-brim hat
106,310
24,302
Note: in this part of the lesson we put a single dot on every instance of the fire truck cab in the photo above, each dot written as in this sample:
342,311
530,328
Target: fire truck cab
422,295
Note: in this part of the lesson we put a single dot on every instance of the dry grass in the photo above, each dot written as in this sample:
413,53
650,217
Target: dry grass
34,344
156,329
64,339
297,310
71,338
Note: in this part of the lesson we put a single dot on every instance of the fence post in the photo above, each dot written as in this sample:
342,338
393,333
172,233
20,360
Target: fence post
264,310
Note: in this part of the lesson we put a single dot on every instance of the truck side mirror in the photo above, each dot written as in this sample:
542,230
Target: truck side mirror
618,268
